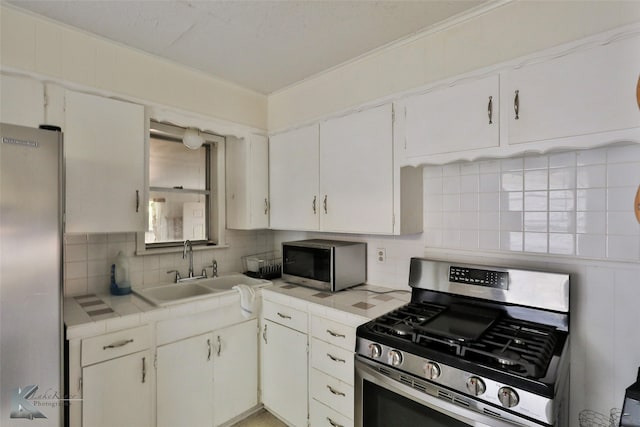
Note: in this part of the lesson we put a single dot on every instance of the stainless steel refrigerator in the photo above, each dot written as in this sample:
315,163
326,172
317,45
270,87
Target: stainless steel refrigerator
31,369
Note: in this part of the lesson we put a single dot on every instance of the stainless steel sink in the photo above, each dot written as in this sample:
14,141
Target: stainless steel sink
198,289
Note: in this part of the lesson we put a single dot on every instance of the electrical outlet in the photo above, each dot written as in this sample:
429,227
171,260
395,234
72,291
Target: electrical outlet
381,255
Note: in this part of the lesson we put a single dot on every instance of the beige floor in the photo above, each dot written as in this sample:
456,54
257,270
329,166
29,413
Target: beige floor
261,419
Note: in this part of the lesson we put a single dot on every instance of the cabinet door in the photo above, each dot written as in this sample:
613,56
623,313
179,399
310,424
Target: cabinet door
293,179
284,373
462,117
247,183
104,160
235,371
356,172
588,92
118,392
21,101
185,382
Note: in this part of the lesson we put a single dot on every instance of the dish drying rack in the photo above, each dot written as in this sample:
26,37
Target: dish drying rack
263,265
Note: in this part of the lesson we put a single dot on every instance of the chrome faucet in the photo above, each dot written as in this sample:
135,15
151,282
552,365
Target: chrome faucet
188,247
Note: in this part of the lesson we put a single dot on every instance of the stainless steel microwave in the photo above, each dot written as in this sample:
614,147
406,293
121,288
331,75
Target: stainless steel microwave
327,265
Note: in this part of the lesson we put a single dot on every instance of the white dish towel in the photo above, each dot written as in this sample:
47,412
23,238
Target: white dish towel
247,299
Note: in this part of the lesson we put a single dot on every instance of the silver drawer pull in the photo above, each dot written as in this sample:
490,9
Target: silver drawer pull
333,423
336,392
335,359
335,334
118,344
284,316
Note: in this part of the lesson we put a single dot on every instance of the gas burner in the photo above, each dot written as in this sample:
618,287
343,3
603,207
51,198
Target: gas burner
507,357
402,329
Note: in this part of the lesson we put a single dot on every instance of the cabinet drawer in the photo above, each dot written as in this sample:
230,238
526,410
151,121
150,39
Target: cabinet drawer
333,360
333,332
116,344
285,315
333,393
322,416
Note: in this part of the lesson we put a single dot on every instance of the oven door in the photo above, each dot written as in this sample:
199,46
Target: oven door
382,401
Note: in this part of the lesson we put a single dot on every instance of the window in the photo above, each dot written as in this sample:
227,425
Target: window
182,188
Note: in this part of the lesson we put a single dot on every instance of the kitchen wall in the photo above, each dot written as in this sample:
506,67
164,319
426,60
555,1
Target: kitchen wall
34,45
569,212
508,31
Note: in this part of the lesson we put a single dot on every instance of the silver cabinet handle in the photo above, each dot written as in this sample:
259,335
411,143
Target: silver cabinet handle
144,369
333,423
118,344
334,391
264,334
516,104
137,200
490,110
335,359
284,316
208,349
313,204
335,334
324,203
266,206
219,346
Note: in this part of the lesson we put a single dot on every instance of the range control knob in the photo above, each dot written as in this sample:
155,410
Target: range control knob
476,386
376,350
508,397
432,370
395,357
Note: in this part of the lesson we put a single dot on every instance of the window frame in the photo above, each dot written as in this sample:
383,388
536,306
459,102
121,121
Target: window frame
215,219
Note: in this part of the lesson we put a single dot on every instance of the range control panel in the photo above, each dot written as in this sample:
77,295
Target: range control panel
474,276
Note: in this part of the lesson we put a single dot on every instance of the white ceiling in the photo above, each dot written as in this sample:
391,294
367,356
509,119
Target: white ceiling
261,45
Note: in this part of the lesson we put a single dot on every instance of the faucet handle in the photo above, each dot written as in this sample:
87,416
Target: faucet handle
214,268
177,274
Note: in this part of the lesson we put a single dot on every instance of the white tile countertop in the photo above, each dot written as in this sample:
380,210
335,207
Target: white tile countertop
95,314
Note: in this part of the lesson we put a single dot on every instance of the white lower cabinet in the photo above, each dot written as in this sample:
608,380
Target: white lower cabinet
284,363
185,382
235,371
117,373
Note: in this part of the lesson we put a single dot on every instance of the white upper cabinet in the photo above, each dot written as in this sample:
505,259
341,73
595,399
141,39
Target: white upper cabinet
21,101
293,179
356,172
461,117
104,159
585,92
247,182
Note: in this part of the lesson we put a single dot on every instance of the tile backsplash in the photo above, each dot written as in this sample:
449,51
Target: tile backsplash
577,203
88,259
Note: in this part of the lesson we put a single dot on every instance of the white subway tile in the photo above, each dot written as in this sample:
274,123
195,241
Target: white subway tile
433,186
75,253
592,176
469,183
562,160
594,199
98,268
433,202
451,238
621,198
117,237
451,220
433,220
591,222
536,162
591,157
433,238
512,164
489,239
536,180
75,239
469,220
535,242
469,202
451,202
489,202
97,238
469,239
432,172
489,183
470,168
511,221
535,221
451,170
451,185
591,245
511,241
561,243
535,201
512,181
489,166
623,174
622,154
75,287
562,178
623,247
562,222
152,262
511,201
488,220
97,251
623,223
75,270
561,200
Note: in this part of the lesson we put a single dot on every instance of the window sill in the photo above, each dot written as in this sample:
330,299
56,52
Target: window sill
177,249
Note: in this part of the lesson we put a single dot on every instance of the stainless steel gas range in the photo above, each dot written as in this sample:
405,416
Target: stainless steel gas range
476,346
